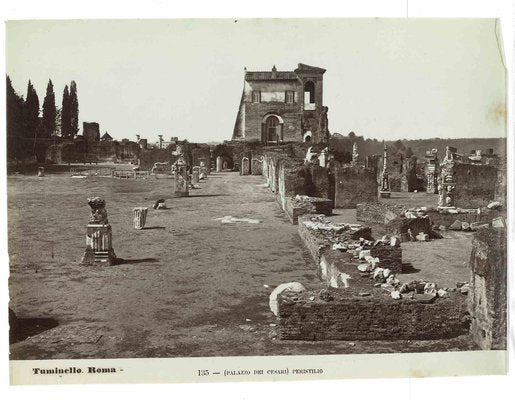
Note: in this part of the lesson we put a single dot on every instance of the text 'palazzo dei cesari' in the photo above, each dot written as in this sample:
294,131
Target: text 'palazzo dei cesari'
282,106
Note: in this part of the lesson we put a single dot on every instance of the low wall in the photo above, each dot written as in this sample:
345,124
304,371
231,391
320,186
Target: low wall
342,315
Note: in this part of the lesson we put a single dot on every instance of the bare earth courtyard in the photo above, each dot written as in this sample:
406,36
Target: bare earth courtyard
187,284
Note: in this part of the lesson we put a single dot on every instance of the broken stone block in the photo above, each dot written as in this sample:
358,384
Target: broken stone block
364,294
387,272
441,292
430,288
465,226
465,289
396,295
365,267
442,228
422,237
494,205
378,274
456,225
498,222
140,217
476,225
340,246
363,254
290,286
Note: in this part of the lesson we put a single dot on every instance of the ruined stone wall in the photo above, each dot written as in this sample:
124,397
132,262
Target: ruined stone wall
340,315
475,185
376,212
353,185
487,299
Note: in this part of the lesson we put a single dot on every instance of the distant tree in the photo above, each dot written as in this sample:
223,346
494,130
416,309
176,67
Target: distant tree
58,121
74,109
65,114
352,135
14,122
49,111
409,152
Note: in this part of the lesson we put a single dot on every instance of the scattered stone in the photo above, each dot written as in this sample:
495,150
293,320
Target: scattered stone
442,228
364,294
158,204
404,288
340,246
290,286
422,237
386,272
392,280
232,220
430,288
267,286
378,284
363,254
476,225
441,292
365,267
456,225
465,289
494,205
498,222
272,325
378,274
435,227
396,294
410,215
248,320
465,226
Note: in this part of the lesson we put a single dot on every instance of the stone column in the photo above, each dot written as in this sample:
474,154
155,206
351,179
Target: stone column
99,248
355,154
140,217
385,181
322,159
219,163
195,175
181,178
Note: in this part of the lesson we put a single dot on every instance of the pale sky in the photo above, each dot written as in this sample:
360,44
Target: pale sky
385,79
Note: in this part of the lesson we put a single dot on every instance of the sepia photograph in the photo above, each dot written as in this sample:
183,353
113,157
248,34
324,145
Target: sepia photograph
205,190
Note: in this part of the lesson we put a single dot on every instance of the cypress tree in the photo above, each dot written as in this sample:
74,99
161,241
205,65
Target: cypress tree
49,111
31,119
74,109
14,122
65,114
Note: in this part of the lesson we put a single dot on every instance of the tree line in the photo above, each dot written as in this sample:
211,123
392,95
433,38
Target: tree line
29,126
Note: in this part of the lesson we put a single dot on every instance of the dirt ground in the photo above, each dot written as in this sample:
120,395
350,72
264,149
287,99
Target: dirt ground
188,285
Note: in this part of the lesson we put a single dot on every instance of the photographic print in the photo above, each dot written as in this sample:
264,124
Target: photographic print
236,199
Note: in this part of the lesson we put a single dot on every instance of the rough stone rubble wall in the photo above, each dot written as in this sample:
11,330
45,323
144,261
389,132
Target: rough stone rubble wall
353,185
487,301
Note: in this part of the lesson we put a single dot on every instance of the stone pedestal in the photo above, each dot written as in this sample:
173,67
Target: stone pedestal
140,217
181,180
99,244
257,166
41,171
219,164
203,170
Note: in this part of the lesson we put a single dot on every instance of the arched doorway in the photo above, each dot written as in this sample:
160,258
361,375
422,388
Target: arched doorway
272,129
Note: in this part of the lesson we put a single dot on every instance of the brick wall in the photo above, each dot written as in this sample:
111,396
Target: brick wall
487,299
353,185
343,315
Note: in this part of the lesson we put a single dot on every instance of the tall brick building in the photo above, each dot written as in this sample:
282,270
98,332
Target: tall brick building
283,106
